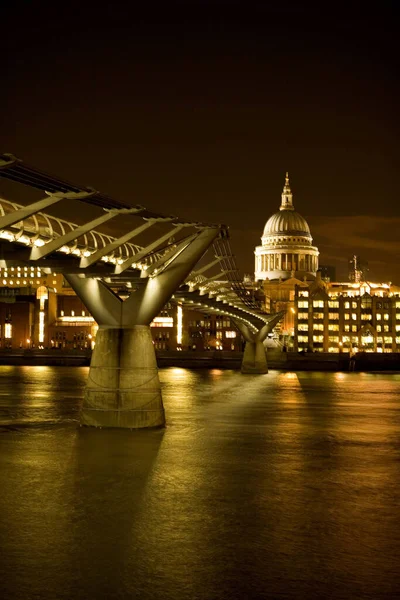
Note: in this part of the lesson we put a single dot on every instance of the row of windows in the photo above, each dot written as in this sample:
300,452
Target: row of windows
207,324
334,316
347,305
218,334
320,304
160,345
163,335
347,328
347,339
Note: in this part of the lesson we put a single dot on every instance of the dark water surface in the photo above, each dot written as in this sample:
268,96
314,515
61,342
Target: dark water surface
283,485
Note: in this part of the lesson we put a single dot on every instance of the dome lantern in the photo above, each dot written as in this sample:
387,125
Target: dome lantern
287,196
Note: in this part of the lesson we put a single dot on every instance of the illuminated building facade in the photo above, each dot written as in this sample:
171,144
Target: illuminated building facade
48,314
286,249
347,317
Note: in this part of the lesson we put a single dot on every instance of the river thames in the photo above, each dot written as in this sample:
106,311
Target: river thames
283,485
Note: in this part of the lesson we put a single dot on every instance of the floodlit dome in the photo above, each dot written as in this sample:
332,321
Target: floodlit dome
286,222
286,245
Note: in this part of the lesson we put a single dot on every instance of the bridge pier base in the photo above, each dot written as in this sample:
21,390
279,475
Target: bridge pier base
123,388
255,354
254,358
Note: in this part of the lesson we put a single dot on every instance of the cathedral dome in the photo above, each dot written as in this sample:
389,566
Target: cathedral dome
286,222
286,249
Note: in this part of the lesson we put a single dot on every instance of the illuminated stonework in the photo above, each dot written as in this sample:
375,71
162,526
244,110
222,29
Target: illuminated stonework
286,249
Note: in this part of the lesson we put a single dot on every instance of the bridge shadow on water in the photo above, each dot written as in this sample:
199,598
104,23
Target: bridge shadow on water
72,505
112,469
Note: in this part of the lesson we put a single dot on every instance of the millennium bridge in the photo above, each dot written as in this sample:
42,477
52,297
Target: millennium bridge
172,262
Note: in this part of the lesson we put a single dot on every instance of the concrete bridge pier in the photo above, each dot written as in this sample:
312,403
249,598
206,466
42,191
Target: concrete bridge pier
254,358
255,355
123,388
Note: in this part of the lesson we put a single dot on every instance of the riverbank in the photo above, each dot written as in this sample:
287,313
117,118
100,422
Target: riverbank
284,361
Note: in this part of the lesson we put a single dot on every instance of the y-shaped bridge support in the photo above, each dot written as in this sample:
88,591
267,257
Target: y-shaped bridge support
255,356
123,388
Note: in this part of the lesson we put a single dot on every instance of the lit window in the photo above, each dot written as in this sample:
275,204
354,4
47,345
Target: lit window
378,316
333,304
334,327
230,334
41,326
347,304
333,338
157,321
354,316
42,295
72,313
354,305
318,326
303,338
303,316
303,304
8,331
347,327
354,327
304,327
318,303
318,315
346,316
379,327
304,294
318,338
386,316
334,316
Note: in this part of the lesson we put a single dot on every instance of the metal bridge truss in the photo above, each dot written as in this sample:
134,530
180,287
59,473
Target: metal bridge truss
54,244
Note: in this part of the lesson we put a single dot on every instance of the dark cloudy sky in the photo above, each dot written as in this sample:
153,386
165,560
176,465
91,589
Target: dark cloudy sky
198,108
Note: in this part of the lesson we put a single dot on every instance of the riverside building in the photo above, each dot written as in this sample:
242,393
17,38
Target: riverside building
347,317
39,310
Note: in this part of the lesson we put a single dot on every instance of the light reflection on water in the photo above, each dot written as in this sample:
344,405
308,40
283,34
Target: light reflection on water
276,486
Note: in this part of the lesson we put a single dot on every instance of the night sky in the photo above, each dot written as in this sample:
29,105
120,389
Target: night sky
198,108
